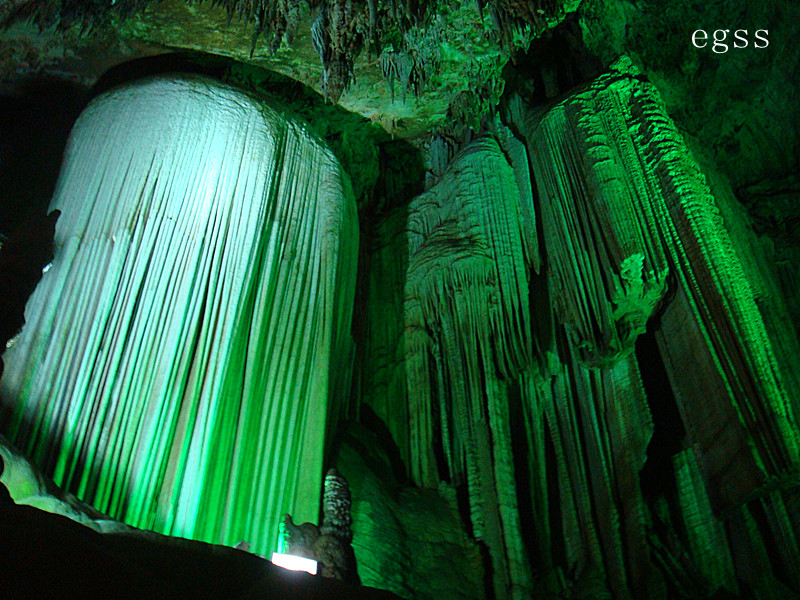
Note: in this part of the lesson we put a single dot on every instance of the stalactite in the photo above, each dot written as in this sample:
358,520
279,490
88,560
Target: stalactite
631,231
466,334
397,66
516,22
189,347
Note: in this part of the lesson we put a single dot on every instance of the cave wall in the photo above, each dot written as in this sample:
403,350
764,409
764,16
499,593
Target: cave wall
731,377
408,540
587,327
534,383
458,333
737,108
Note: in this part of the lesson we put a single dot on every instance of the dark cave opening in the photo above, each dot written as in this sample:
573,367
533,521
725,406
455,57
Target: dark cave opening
34,124
555,63
668,428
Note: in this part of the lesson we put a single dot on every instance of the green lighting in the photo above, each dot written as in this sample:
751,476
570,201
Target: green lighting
182,360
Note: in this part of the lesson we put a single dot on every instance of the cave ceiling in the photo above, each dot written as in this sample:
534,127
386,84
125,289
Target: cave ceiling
419,67
404,67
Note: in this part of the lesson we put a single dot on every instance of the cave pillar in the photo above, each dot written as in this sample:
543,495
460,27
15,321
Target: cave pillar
185,355
463,336
633,237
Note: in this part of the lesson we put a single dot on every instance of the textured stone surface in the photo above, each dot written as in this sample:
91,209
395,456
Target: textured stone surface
591,335
53,547
407,540
450,273
738,103
462,42
614,416
736,107
730,373
204,263
28,486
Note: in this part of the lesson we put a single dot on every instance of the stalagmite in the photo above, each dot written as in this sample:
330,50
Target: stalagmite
186,354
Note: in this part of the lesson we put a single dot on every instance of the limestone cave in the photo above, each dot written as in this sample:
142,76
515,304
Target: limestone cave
456,299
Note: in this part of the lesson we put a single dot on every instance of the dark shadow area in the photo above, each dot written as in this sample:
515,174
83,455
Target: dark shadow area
437,440
35,122
554,64
380,285
400,177
385,441
462,499
542,321
23,255
51,556
774,550
199,64
488,571
34,126
558,550
657,476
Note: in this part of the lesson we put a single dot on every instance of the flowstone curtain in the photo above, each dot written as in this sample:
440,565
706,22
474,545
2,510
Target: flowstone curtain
450,269
611,392
184,355
634,239
624,204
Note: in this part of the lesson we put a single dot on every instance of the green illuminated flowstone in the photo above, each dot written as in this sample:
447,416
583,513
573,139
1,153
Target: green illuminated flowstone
611,393
634,237
451,274
185,356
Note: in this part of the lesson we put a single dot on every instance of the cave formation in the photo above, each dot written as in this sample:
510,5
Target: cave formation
525,274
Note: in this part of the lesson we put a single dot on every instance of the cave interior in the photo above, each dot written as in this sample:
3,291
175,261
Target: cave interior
525,274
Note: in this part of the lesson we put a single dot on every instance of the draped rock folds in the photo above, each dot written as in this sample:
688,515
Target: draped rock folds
594,459
453,269
663,213
185,355
630,226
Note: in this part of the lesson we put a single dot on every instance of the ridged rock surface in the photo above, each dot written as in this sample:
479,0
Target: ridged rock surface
407,540
634,237
450,329
187,351
624,420
29,487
